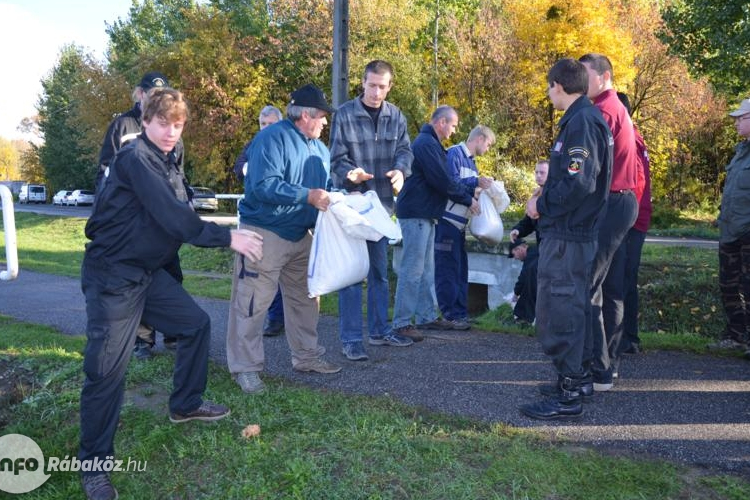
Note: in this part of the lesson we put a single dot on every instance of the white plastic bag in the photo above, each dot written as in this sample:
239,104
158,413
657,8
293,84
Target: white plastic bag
368,205
499,196
487,226
337,259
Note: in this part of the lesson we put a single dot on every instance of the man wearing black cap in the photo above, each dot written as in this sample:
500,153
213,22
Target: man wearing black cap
525,287
123,129
288,174
127,126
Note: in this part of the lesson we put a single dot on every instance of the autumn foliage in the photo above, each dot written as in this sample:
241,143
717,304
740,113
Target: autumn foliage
487,58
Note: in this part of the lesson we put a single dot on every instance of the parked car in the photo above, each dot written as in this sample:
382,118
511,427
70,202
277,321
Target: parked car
33,193
204,199
80,197
61,197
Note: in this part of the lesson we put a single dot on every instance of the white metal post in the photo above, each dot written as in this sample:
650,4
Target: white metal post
9,225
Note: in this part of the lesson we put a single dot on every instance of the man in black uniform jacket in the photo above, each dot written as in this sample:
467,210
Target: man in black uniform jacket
137,225
124,129
570,209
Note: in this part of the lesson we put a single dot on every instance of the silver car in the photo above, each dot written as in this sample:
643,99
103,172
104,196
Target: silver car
204,199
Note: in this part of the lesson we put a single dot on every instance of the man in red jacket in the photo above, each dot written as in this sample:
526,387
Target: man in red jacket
622,208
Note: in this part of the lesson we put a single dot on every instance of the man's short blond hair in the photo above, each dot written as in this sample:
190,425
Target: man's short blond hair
482,131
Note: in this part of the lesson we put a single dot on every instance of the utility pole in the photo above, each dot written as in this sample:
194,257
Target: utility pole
435,47
340,78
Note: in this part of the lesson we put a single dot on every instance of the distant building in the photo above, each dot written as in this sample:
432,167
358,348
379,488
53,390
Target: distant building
14,186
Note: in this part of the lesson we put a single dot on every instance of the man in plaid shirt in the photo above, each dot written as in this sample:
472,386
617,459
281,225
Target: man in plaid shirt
370,151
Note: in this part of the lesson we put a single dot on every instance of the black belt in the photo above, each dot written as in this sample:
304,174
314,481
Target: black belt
621,191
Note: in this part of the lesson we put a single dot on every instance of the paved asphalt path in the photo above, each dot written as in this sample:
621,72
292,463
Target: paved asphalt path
689,409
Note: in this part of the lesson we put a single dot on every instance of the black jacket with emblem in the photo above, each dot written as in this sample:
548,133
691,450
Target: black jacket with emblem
141,215
572,203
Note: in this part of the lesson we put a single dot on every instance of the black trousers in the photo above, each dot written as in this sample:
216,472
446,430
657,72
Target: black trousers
525,307
116,299
563,301
633,248
608,289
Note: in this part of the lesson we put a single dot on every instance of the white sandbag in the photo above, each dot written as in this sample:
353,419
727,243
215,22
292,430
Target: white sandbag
499,196
337,260
353,223
369,206
487,226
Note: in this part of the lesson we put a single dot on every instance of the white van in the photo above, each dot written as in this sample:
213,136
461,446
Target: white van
33,193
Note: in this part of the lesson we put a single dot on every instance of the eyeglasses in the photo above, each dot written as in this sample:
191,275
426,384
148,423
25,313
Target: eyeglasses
741,118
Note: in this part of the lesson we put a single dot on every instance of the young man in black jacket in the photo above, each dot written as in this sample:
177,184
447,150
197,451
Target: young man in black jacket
570,210
125,128
140,219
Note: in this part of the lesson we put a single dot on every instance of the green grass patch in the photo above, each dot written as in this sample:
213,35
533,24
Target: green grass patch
313,444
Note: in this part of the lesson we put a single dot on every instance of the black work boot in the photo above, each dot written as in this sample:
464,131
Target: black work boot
567,404
554,390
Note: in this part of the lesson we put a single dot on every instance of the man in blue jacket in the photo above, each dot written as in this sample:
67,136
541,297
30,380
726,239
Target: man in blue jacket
420,204
570,208
451,259
285,186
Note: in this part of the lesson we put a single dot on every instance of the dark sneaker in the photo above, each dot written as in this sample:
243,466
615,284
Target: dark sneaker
317,365
272,328
354,351
459,324
250,383
394,340
409,331
438,324
170,343
207,412
633,348
142,351
99,487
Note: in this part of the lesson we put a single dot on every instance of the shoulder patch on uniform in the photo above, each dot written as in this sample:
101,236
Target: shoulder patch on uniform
575,166
578,150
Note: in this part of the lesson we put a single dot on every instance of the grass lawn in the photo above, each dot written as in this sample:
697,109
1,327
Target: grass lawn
313,444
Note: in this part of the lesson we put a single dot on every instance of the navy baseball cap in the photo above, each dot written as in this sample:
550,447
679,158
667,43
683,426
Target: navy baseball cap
153,79
311,96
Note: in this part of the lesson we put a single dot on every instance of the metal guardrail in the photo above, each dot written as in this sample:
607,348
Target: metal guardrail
11,245
237,197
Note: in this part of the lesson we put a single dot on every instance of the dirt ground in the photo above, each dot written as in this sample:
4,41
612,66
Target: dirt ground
15,383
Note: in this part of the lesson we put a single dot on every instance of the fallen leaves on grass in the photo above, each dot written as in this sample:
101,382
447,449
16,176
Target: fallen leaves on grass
251,431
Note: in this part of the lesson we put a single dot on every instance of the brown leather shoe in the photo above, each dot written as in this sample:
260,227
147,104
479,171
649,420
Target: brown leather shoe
409,331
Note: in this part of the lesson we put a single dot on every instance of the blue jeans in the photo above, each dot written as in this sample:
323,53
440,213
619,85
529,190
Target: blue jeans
350,298
415,288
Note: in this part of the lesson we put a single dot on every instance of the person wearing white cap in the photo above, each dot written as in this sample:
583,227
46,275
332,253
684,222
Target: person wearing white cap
734,239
